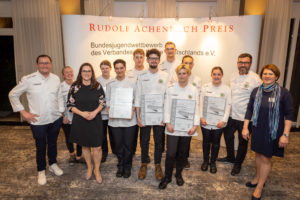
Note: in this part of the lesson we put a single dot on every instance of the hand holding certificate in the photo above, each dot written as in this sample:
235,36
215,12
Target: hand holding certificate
213,109
121,103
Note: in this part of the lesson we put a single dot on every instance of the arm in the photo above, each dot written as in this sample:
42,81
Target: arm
167,111
222,123
139,120
202,120
196,116
245,131
248,116
102,102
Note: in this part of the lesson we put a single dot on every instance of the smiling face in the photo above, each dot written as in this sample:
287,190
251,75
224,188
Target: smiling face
183,76
44,65
105,70
188,61
216,76
269,77
120,70
244,65
68,74
170,50
86,73
153,61
138,60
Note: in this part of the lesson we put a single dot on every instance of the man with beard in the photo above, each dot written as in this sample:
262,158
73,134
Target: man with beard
242,83
152,81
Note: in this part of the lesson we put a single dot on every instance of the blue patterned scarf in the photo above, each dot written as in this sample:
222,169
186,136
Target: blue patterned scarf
274,101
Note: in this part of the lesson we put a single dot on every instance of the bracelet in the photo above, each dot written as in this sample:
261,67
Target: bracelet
286,135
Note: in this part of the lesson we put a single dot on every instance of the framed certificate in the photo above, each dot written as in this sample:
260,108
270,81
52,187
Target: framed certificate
121,103
182,114
152,109
213,109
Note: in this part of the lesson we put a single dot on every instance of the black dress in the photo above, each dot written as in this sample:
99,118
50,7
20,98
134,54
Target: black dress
261,141
88,133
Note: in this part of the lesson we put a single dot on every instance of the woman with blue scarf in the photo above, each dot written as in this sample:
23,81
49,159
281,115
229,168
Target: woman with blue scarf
270,110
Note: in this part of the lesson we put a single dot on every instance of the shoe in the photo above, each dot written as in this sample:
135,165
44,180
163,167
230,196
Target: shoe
42,178
103,159
80,160
236,169
179,181
187,164
98,176
119,173
255,198
250,185
163,184
143,171
213,168
55,169
225,159
158,172
72,159
204,166
126,174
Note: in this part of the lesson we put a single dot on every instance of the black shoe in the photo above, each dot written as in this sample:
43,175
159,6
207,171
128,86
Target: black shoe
126,174
225,159
164,182
236,169
187,164
179,181
103,159
204,166
119,173
250,185
255,198
213,168
80,160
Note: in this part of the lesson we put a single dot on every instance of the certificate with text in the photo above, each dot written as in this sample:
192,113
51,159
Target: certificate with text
213,109
152,109
121,103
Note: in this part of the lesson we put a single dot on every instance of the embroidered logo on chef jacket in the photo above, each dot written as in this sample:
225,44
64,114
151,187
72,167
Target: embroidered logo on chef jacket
174,95
222,95
37,84
160,81
145,79
190,96
194,84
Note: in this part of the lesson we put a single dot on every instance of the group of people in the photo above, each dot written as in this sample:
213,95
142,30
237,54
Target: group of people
251,104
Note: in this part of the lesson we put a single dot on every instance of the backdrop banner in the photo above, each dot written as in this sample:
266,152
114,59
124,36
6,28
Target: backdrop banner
215,42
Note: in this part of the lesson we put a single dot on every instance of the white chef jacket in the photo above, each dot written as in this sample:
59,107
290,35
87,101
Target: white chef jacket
169,67
149,83
134,73
104,82
64,90
193,79
177,92
223,91
241,87
125,83
43,97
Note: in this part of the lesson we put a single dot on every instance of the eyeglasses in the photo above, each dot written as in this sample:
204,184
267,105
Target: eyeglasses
153,58
244,63
86,71
43,63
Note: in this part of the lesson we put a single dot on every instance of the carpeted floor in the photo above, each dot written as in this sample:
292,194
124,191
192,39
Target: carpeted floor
18,175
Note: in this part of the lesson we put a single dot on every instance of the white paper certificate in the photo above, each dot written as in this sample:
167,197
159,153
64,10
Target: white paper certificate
152,109
182,114
213,109
121,103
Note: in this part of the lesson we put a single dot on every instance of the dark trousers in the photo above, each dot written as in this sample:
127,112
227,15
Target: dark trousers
232,126
46,135
158,134
67,130
177,148
111,140
124,138
211,143
136,138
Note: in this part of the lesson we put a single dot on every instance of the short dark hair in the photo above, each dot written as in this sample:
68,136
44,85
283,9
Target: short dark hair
217,67
94,82
43,56
105,62
271,67
246,55
120,61
153,51
187,56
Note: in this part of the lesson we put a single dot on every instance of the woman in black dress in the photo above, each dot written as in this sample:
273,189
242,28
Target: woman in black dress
270,110
86,100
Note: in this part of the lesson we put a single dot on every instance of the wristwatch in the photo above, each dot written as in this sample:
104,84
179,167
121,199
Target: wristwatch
286,135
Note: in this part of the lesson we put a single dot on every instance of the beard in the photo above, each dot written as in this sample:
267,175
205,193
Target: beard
243,70
153,66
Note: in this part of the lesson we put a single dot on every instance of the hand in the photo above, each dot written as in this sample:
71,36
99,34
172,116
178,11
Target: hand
66,120
29,116
170,128
139,122
283,141
192,130
162,123
245,133
203,122
85,115
220,124
92,115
